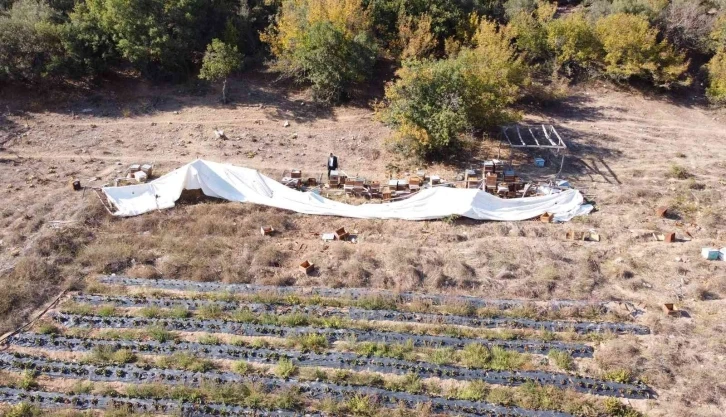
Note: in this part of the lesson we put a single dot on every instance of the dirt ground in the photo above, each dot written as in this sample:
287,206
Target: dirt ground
629,153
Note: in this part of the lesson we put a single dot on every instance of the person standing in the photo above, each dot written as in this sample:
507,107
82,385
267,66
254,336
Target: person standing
332,163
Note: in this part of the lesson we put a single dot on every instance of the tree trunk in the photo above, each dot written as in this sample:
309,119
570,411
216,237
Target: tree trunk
224,91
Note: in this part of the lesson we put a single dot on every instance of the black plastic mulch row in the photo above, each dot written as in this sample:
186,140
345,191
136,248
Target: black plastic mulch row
342,360
352,293
313,390
510,323
44,399
524,346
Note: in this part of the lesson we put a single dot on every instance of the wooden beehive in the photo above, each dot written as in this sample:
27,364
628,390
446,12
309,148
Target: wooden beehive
670,237
546,218
661,211
267,230
295,173
386,194
148,169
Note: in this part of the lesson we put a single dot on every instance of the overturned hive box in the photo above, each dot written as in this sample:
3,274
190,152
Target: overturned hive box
267,230
307,267
342,234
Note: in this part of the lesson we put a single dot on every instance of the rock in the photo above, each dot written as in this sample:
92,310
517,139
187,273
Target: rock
504,274
294,135
286,124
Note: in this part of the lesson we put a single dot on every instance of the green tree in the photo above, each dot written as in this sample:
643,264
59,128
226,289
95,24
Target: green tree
89,48
433,103
632,50
529,28
573,41
219,62
30,43
716,67
323,42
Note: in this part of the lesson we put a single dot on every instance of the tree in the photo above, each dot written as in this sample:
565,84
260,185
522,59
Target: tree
632,50
323,42
529,28
30,43
416,38
433,103
219,62
573,41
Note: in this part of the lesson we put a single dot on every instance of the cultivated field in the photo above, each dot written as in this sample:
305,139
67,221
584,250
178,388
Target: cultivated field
361,346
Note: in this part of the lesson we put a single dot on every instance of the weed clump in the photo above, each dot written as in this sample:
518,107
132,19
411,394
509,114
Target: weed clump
563,360
678,172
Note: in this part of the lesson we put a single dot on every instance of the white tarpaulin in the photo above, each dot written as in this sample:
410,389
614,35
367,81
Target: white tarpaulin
249,186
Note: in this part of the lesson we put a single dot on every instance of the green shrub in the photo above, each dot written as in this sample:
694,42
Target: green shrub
563,360
632,50
619,375
285,368
186,361
615,408
160,334
716,67
475,355
107,354
23,410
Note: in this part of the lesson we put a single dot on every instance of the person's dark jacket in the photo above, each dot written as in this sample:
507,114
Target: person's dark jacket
334,164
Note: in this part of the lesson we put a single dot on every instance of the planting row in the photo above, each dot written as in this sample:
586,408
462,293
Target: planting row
312,390
381,315
46,399
346,361
333,335
350,293
367,315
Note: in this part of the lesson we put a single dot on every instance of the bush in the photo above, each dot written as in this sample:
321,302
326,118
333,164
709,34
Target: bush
434,102
687,24
632,50
716,67
323,42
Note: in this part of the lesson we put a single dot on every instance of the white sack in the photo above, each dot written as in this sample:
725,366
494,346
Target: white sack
249,186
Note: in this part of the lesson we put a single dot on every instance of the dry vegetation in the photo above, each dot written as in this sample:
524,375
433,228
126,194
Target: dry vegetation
629,153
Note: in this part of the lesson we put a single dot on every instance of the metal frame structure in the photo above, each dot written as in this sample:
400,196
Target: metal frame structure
536,137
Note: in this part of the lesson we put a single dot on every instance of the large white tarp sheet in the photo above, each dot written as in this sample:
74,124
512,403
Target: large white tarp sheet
247,185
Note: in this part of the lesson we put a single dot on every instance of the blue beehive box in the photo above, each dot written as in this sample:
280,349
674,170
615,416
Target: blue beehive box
539,162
